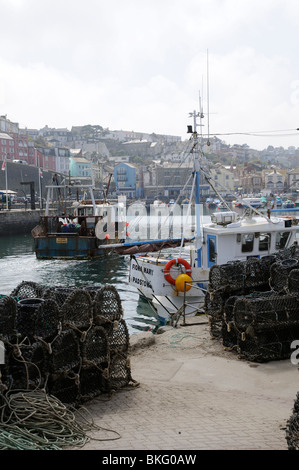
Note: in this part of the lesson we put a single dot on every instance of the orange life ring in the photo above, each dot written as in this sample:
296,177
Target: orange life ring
170,264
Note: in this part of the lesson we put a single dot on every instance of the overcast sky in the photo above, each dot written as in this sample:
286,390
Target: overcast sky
140,65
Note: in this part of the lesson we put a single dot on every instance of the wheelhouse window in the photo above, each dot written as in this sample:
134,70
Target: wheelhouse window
264,241
247,242
212,251
281,240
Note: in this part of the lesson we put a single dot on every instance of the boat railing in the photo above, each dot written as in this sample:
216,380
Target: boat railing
194,306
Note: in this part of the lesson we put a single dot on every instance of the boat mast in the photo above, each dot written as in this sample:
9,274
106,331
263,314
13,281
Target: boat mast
195,151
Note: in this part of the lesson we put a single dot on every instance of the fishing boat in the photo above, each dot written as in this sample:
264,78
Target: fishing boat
81,228
176,284
288,204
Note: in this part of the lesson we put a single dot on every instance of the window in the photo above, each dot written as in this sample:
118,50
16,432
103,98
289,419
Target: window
211,251
247,242
264,241
281,240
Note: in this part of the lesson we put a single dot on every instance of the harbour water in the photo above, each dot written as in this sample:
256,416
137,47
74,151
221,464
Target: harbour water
18,263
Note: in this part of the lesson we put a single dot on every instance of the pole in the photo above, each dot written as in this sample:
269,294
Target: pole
6,182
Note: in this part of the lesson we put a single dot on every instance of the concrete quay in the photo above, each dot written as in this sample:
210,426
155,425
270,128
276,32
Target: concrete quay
194,395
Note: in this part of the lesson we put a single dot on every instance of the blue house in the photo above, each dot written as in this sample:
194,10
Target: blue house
80,167
125,180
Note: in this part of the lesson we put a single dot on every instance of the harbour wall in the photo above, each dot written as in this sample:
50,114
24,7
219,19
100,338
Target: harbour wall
18,221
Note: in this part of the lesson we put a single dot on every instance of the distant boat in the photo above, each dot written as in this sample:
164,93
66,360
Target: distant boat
252,202
288,204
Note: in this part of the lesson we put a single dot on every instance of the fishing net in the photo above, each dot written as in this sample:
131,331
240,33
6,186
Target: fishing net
48,320
293,282
58,293
107,305
118,336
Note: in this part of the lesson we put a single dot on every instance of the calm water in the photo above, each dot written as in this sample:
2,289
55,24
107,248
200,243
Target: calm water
18,263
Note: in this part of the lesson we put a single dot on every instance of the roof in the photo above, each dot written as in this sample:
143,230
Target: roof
5,136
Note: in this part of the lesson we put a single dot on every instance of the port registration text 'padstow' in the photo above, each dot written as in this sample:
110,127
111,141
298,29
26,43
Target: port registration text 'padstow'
139,281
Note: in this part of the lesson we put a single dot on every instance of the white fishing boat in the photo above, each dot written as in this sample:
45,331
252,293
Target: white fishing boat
176,284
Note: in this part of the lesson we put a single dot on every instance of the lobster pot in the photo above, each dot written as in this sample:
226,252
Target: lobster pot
119,372
266,312
107,306
59,294
228,331
268,345
95,349
214,305
8,316
77,310
257,273
27,313
118,336
230,276
65,354
48,320
293,282
92,290
65,387
292,428
28,366
28,290
93,382
279,273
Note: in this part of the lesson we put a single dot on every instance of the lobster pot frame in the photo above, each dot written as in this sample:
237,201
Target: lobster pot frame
27,312
228,332
119,372
65,387
28,290
118,336
107,306
268,345
279,273
93,382
93,290
77,310
8,316
95,347
28,366
65,354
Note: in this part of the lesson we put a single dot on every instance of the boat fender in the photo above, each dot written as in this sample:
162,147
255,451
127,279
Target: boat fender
169,265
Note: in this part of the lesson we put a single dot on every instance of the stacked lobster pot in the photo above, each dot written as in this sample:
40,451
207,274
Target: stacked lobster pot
256,315
73,342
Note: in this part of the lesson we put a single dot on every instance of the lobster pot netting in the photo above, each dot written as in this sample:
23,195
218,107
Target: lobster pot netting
48,320
118,336
267,345
214,304
107,306
65,352
27,312
95,347
77,310
8,315
28,365
293,282
59,294
279,273
119,372
266,312
27,290
292,428
65,387
93,382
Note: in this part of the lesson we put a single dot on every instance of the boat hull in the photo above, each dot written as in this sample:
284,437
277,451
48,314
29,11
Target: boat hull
68,246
